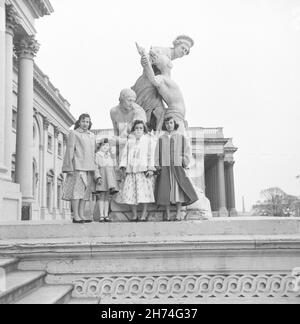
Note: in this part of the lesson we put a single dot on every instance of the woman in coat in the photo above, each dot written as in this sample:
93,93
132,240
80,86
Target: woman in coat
79,165
173,186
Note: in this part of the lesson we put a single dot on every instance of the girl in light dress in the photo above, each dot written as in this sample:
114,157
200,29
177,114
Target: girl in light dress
137,165
79,165
105,178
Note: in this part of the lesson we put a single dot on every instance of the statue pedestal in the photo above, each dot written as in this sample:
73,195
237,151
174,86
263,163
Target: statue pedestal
201,210
10,202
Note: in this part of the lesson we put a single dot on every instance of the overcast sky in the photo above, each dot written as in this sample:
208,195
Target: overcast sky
243,73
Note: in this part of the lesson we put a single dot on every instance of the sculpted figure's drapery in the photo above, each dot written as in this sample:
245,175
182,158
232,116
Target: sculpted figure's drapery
148,95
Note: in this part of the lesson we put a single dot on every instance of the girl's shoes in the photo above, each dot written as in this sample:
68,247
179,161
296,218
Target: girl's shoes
78,222
105,220
113,191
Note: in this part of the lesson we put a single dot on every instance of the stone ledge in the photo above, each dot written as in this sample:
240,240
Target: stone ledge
222,259
216,227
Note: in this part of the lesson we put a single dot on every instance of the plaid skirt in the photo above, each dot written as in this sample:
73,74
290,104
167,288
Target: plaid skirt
78,186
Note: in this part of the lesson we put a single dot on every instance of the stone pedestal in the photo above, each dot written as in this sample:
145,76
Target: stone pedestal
10,202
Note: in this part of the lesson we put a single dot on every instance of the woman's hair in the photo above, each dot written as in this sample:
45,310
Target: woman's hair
164,128
102,143
139,122
83,116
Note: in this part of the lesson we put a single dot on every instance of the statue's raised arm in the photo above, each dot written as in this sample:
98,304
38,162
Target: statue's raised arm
146,87
147,66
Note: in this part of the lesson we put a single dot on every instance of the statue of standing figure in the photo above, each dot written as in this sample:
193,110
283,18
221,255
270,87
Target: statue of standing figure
148,95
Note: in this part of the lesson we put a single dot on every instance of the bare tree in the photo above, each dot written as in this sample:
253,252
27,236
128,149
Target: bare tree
275,201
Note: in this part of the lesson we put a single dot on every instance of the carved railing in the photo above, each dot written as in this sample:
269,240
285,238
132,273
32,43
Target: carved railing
192,132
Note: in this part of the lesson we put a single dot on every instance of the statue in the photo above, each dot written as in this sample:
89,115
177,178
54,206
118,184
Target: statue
126,113
166,87
154,97
147,95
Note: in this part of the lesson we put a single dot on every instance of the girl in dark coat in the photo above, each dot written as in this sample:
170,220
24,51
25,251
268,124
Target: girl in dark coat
173,187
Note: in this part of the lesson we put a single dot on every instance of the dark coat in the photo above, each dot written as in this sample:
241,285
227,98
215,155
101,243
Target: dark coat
171,151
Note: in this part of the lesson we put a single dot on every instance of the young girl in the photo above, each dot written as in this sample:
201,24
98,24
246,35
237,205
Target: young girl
105,177
79,165
173,187
137,164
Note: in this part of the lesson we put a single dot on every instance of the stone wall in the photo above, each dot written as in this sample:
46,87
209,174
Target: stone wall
220,261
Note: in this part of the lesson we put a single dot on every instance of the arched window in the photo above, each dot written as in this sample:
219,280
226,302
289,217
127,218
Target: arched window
13,168
35,179
50,183
60,181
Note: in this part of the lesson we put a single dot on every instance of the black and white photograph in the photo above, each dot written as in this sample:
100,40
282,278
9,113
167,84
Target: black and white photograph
149,154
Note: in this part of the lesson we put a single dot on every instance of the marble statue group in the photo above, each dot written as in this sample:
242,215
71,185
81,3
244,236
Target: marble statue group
144,167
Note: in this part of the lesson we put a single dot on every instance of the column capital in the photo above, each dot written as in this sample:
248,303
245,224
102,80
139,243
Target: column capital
230,163
56,131
221,156
27,47
46,123
12,19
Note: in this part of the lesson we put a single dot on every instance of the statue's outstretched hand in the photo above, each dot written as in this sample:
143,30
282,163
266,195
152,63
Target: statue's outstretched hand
144,56
140,49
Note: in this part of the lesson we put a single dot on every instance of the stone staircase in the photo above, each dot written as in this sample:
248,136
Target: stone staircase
29,287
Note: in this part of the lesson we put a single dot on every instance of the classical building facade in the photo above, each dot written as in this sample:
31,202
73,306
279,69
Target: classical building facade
34,121
212,169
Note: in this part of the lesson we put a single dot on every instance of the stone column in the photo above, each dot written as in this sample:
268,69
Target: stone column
46,124
223,212
231,187
26,49
215,187
3,168
66,205
55,157
11,24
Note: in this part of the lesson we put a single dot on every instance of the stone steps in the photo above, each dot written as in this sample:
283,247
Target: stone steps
19,284
8,265
28,287
48,295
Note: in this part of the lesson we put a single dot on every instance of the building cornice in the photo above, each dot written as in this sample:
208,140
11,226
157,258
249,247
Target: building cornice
27,11
40,8
50,94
